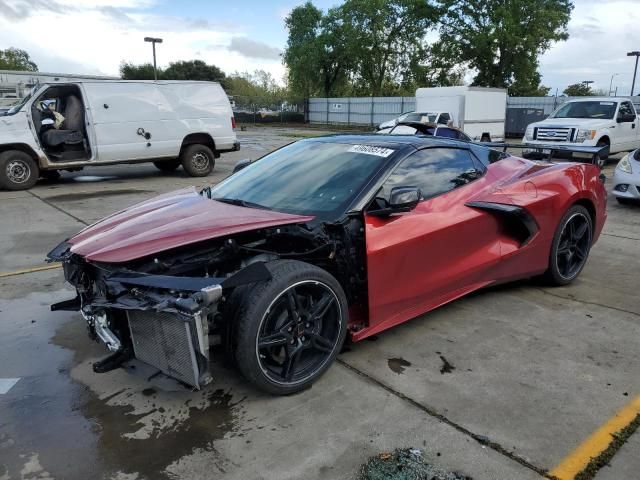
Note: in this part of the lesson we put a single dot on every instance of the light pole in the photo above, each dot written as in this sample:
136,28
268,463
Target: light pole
153,42
635,70
611,82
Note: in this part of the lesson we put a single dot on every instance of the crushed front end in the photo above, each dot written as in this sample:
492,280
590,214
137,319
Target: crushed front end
162,320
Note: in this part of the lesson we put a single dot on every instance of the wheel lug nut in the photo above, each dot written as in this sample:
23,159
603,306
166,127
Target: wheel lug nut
303,338
308,325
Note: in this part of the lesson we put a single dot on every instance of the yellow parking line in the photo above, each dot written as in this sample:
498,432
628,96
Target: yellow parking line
599,440
30,270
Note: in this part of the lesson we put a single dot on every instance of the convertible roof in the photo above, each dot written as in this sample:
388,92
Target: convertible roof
377,139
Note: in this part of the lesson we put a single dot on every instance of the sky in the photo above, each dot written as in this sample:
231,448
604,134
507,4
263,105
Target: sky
96,36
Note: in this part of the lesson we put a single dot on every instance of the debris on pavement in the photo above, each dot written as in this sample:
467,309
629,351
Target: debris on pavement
404,464
447,367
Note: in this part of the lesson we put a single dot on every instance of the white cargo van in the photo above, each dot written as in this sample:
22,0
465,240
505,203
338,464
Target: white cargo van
478,111
68,126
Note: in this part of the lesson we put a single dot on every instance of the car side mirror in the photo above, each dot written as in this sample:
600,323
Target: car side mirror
401,199
626,117
241,164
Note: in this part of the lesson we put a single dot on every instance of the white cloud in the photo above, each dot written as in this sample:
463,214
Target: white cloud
601,33
94,37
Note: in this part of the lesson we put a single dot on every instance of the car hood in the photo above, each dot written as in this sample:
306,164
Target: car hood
591,123
168,221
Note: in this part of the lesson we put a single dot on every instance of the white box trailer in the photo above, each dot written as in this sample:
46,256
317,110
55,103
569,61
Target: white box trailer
479,111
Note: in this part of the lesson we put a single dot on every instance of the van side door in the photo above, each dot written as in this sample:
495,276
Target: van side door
129,119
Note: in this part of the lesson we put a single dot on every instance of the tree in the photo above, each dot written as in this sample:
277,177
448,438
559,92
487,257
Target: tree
386,37
301,54
130,71
193,70
16,59
502,40
578,90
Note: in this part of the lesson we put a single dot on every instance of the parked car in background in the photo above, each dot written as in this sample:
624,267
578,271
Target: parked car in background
69,126
324,239
442,118
589,121
626,179
480,112
430,129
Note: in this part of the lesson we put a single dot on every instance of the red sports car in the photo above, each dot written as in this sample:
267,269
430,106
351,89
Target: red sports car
325,238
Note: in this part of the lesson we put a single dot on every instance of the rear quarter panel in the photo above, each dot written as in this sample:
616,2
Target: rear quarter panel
547,191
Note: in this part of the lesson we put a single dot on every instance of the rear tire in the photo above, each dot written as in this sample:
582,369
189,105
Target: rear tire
570,246
167,165
18,171
290,329
198,160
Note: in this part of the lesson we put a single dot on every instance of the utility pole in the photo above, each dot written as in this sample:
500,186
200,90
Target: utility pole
611,82
153,42
635,70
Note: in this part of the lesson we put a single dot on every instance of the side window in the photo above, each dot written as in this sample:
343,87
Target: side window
446,132
434,171
626,109
444,118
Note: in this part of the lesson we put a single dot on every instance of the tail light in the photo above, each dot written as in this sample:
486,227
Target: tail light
233,122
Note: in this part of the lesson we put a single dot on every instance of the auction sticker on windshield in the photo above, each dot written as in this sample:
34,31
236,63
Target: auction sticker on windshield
371,150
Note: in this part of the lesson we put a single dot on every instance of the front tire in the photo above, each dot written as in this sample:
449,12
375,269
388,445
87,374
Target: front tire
18,171
198,160
602,160
571,245
290,329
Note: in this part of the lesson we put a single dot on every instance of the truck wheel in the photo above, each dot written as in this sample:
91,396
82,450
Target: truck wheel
290,329
167,165
198,160
602,160
18,171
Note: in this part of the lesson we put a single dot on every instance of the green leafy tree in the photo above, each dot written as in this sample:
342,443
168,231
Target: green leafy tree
193,70
16,59
144,71
387,38
301,54
578,90
502,40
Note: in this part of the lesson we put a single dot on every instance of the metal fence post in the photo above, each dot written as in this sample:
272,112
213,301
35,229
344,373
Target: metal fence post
348,111
371,120
327,112
401,105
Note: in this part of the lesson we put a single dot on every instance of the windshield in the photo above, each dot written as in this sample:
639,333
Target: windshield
306,177
595,109
421,117
16,108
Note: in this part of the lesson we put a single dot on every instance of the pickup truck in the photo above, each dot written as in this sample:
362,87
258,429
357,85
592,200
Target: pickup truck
589,121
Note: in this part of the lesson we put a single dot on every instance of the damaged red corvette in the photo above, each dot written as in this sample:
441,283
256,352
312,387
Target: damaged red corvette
324,239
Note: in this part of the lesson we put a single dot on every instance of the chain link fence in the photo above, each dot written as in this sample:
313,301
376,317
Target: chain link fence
253,110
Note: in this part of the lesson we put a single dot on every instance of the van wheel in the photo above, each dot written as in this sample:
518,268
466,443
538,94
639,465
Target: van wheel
167,165
198,160
18,171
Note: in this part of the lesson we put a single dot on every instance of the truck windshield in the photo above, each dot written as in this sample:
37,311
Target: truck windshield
307,177
589,109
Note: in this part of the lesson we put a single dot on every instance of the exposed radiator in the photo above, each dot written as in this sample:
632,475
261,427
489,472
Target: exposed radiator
166,341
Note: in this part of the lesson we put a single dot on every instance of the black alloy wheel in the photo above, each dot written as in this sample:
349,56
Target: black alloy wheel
290,329
571,245
299,332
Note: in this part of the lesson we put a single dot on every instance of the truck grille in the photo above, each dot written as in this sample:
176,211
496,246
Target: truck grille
165,341
549,134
